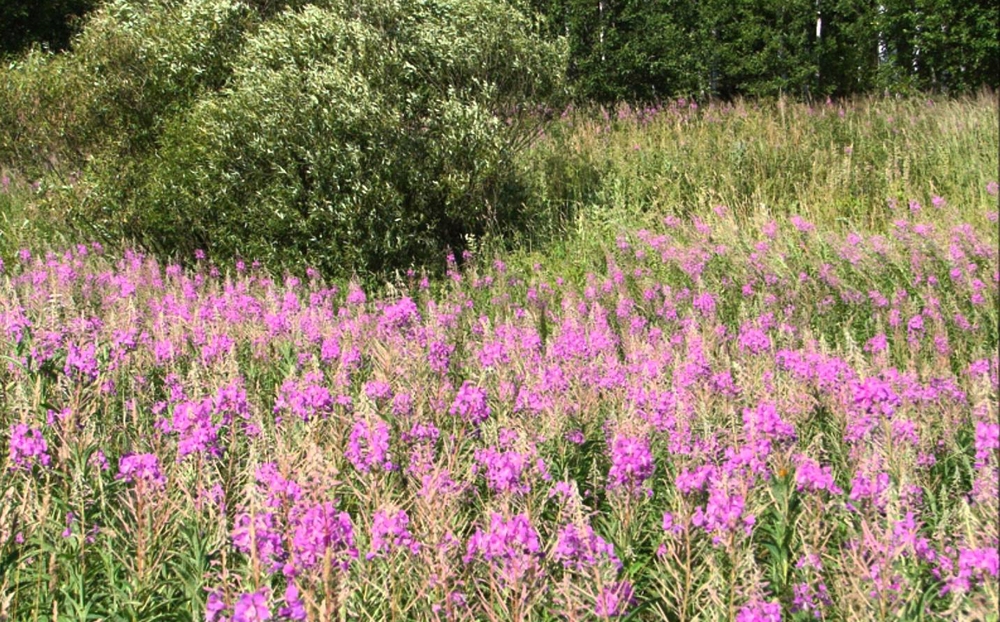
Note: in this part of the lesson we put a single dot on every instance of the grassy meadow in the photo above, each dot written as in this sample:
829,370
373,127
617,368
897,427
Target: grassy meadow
743,366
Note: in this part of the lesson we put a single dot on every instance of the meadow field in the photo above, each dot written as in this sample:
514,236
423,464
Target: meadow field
744,366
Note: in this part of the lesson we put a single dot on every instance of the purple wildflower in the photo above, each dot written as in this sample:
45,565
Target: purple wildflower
214,607
98,461
470,404
356,295
198,433
27,448
402,314
512,544
978,564
422,432
402,404
378,390
759,611
82,362
507,471
669,526
439,356
754,340
579,547
810,476
439,483
987,441
705,303
141,468
217,347
390,532
870,485
260,534
723,513
368,446
614,600
875,396
878,343
631,465
305,399
274,485
688,481
294,608
252,607
765,422
803,225
316,530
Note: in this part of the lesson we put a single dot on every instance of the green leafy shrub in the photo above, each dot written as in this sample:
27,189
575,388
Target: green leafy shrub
361,136
133,66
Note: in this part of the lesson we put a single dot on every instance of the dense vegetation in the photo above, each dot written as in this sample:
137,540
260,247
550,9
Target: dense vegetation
656,49
715,422
648,49
369,136
756,379
363,136
339,310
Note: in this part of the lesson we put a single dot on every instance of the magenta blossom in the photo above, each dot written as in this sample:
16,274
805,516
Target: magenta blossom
368,446
390,532
631,465
252,607
614,600
145,468
470,404
27,448
579,547
759,611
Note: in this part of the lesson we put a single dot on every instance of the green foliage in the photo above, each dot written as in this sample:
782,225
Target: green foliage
835,165
930,44
131,68
777,533
641,51
351,137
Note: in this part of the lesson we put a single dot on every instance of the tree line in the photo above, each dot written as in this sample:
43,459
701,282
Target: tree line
651,49
634,50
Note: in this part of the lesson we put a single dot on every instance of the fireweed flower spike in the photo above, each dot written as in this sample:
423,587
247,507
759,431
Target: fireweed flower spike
252,607
294,608
368,446
580,548
27,448
614,600
390,532
319,529
631,465
760,611
141,468
470,404
261,534
511,545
